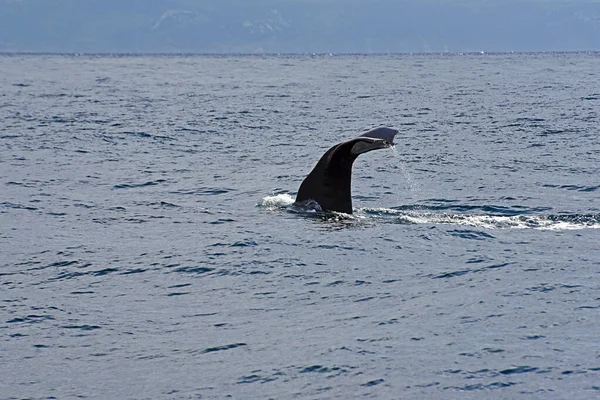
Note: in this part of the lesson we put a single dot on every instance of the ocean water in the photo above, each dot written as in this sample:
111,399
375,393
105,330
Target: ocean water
149,248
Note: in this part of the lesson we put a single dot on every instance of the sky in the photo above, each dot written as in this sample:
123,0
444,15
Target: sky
298,26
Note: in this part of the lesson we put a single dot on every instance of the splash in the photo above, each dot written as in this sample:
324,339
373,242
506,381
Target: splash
413,188
540,222
277,201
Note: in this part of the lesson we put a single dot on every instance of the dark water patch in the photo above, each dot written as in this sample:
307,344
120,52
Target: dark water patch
572,372
17,206
481,386
477,260
256,272
82,327
315,368
469,320
194,270
83,292
570,286
163,137
202,315
203,191
594,96
172,294
254,378
83,205
139,185
104,271
364,197
373,383
333,247
192,130
151,357
61,120
179,286
66,275
426,385
245,243
140,134
495,266
550,132
69,275
493,351
259,127
249,379
389,322
518,370
139,220
23,184
471,234
167,205
52,95
30,319
577,188
542,288
221,221
222,348
364,299
134,271
533,337
452,274
65,263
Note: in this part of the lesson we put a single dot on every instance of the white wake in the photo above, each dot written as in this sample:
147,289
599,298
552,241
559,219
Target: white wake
541,222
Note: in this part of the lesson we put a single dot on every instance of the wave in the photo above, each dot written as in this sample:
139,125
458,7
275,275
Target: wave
486,221
486,217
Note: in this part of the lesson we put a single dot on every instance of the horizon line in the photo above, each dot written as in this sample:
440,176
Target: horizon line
271,54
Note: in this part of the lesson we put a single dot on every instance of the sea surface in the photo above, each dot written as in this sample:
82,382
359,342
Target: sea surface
149,248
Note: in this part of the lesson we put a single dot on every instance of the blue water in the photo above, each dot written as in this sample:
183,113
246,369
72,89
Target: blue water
149,250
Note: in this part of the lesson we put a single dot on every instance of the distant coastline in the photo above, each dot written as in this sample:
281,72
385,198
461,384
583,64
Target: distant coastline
299,26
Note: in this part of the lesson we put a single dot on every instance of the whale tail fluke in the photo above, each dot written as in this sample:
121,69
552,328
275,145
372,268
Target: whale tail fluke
329,183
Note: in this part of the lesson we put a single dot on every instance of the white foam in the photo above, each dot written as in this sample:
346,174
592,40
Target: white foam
282,200
485,221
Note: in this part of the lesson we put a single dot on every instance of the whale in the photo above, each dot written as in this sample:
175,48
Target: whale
330,181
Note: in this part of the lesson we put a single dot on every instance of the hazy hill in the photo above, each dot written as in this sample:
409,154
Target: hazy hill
298,25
